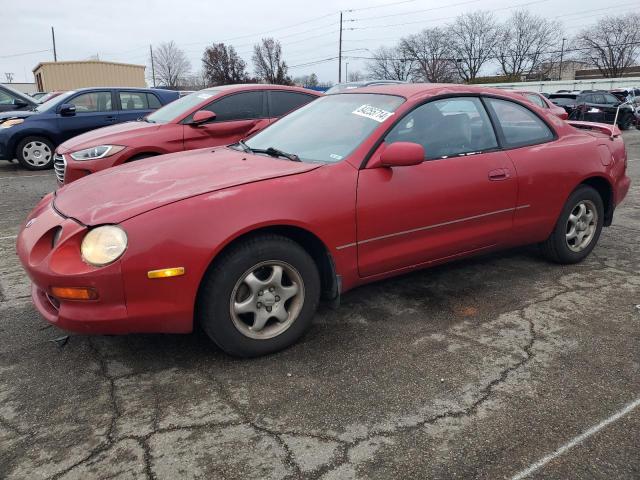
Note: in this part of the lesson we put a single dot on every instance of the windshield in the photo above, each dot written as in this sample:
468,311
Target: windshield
57,100
181,106
562,100
329,128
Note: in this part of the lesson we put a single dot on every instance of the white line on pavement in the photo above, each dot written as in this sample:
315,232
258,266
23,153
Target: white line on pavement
577,440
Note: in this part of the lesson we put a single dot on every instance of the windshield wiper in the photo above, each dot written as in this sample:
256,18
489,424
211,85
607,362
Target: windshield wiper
244,147
274,152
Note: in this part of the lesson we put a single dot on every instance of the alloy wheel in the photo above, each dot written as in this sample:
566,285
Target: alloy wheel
581,225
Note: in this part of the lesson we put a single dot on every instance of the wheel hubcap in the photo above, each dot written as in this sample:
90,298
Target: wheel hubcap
36,153
581,226
267,299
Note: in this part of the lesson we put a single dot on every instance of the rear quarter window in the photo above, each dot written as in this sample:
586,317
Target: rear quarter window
285,102
519,125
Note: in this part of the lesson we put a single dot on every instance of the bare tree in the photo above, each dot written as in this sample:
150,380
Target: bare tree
355,76
268,63
390,63
222,65
612,44
171,64
431,53
474,38
525,41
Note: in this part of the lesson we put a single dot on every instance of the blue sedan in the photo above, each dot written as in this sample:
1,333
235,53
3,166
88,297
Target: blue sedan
32,136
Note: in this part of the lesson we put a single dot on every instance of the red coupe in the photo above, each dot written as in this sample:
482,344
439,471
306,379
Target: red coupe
349,189
543,102
208,118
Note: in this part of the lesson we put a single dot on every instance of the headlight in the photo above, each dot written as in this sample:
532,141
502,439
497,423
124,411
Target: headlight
94,153
103,245
11,123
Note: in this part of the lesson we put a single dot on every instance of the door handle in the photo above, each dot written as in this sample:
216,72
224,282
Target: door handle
499,174
111,118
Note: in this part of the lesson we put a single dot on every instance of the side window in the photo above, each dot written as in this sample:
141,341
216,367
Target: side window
5,98
598,98
134,101
536,100
519,125
284,102
447,128
153,101
240,106
92,102
611,98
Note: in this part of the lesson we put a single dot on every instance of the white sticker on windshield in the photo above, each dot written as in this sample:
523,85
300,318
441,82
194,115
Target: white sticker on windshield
374,113
335,156
204,96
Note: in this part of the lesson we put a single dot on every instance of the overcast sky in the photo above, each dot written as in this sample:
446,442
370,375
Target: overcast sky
120,30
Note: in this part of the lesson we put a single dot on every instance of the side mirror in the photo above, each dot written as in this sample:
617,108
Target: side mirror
18,102
203,116
402,154
67,110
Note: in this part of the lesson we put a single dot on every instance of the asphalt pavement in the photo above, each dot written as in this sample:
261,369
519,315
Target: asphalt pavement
502,366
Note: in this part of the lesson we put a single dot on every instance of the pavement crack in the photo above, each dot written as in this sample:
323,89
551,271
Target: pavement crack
109,436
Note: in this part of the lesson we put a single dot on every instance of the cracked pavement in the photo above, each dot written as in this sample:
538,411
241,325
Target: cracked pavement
475,369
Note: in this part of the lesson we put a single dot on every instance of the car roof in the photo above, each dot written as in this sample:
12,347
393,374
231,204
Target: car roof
17,93
258,86
413,90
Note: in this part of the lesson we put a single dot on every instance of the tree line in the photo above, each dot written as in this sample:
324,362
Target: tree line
526,45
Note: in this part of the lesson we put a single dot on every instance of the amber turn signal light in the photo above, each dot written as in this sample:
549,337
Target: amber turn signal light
166,272
74,293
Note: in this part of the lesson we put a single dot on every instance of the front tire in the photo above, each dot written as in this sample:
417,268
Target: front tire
259,297
578,228
35,153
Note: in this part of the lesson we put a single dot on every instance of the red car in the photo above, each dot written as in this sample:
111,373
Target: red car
543,102
349,189
208,118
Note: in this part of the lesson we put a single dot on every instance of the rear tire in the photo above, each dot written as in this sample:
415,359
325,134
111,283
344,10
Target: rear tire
626,122
259,297
35,153
578,227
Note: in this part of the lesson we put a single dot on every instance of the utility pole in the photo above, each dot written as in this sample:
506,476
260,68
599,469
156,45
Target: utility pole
340,51
153,68
561,55
53,38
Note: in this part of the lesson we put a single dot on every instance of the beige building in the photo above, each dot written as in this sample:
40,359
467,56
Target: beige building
90,73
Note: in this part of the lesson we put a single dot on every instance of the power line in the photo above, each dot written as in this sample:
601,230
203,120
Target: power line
417,11
25,53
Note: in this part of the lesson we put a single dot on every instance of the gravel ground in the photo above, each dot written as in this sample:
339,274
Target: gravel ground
477,369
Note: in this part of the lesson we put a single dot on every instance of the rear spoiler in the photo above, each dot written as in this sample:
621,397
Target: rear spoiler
611,130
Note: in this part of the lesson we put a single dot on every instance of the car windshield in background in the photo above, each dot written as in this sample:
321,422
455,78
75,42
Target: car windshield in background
60,99
179,107
327,129
563,100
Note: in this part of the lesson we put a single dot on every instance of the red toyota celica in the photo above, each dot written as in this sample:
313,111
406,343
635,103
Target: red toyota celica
349,189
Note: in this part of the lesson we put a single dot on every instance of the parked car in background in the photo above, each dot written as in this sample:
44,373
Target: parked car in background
595,106
48,96
543,102
11,99
208,118
37,95
341,87
352,188
32,136
632,96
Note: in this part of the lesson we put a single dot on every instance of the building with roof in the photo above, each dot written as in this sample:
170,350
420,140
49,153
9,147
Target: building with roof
51,76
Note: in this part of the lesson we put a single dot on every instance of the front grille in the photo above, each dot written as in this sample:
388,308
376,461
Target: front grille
59,165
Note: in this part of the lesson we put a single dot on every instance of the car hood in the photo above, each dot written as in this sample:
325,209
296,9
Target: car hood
118,134
16,114
116,194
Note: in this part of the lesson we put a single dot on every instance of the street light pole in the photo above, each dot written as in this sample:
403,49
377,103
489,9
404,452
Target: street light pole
346,72
53,38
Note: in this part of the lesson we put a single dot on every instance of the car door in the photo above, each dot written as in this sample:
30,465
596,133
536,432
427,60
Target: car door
610,106
133,105
237,115
282,102
538,156
93,110
460,199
